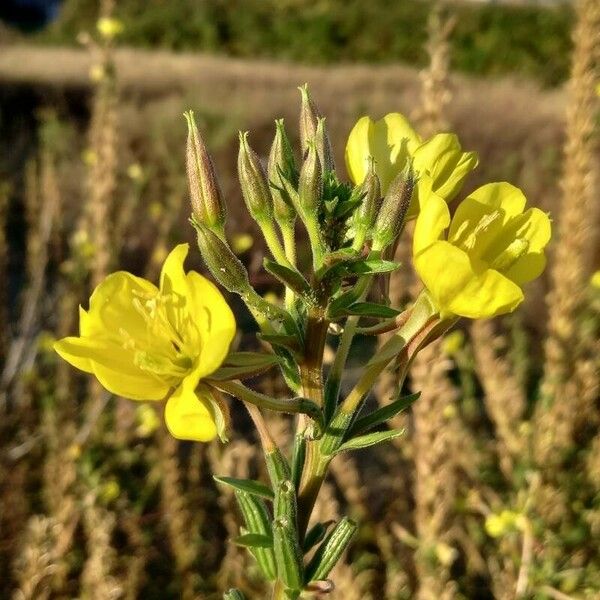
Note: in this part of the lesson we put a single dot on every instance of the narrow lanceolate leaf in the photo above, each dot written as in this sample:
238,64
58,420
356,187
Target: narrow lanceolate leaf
285,502
289,342
337,308
330,551
254,540
243,365
289,277
371,309
287,554
298,455
372,266
256,488
314,535
381,415
370,439
258,522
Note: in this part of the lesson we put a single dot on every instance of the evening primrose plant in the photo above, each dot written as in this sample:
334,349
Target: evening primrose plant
172,342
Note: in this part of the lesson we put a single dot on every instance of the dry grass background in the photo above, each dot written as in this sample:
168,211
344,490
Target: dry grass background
496,494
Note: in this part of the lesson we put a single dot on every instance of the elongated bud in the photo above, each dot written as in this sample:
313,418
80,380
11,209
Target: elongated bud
221,261
310,185
308,118
323,145
392,213
255,187
331,550
207,203
282,165
366,213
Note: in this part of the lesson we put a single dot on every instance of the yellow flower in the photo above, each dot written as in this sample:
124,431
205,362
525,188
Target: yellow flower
474,264
109,28
453,342
595,280
439,162
147,343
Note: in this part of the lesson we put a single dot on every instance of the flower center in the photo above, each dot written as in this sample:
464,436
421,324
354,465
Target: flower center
172,342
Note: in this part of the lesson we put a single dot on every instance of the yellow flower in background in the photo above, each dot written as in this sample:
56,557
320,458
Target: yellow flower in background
474,264
109,28
595,280
440,163
146,343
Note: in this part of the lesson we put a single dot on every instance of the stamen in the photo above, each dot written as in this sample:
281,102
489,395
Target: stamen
509,257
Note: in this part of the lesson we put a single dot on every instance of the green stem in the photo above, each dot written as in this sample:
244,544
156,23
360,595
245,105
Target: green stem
272,238
289,245
311,373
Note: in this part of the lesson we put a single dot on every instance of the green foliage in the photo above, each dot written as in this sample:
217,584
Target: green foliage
488,40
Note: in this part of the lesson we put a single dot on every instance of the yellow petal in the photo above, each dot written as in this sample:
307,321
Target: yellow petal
433,219
173,284
527,268
389,141
68,349
534,228
214,319
443,159
189,416
357,150
112,308
501,195
113,366
457,288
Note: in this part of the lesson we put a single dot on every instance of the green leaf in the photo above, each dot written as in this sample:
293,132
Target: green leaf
243,365
289,277
372,266
314,535
255,488
330,551
337,307
372,309
370,439
253,540
289,342
381,415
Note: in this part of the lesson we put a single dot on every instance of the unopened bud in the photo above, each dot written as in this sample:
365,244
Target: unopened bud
282,166
207,204
323,145
308,118
255,187
394,207
366,213
223,264
310,185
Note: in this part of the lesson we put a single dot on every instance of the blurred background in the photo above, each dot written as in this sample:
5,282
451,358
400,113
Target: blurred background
494,492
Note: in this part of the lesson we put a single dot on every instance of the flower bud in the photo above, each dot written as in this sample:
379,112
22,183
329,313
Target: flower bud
282,165
324,146
365,214
255,187
310,185
207,204
392,213
223,264
308,119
